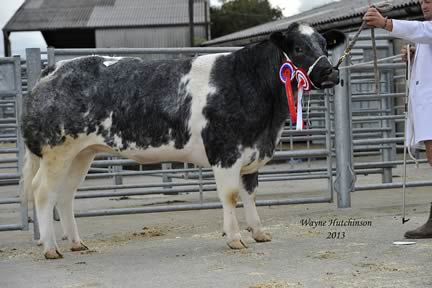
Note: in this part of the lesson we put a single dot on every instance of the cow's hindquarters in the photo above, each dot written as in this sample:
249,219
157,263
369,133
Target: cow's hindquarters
62,168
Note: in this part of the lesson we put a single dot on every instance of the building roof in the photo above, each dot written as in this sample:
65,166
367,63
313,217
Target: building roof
331,15
39,15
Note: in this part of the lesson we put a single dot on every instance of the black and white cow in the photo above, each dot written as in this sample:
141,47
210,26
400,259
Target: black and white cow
224,111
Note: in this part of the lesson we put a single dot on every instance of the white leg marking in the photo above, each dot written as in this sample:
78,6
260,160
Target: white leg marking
50,179
76,175
251,214
227,182
51,174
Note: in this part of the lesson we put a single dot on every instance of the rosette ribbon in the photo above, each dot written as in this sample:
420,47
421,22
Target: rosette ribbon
289,71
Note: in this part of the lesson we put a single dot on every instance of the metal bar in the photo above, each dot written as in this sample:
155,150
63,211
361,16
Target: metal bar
8,126
374,118
85,195
371,148
392,185
386,66
186,207
8,120
148,185
191,23
8,160
34,69
304,132
9,175
51,56
10,201
378,141
284,155
33,66
328,145
372,96
118,179
201,186
20,142
343,136
7,94
8,150
8,140
388,154
11,227
291,178
6,60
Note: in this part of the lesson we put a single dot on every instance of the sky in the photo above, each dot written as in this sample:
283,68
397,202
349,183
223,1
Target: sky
22,40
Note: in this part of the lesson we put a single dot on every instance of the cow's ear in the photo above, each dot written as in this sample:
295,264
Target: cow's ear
334,38
277,38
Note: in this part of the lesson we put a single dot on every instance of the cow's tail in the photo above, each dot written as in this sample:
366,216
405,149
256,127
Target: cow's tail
31,166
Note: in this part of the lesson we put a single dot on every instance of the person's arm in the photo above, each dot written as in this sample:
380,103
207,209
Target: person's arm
414,31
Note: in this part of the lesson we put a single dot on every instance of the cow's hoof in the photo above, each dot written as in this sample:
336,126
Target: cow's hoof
39,243
79,246
262,237
65,237
53,254
237,244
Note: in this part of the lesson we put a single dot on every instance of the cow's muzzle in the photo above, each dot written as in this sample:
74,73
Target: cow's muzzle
330,79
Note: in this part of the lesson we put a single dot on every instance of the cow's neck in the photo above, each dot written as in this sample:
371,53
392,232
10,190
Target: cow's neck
261,63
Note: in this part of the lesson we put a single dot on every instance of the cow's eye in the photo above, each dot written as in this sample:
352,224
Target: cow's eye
298,50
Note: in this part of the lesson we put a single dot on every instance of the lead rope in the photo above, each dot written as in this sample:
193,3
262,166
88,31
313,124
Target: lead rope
382,7
408,110
407,142
377,73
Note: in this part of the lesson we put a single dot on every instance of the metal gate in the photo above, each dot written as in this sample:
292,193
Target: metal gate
378,120
11,146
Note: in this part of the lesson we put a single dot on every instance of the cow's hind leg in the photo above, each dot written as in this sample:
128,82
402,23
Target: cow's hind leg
248,187
48,181
227,182
76,175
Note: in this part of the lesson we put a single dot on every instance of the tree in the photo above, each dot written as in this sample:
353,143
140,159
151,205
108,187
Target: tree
236,15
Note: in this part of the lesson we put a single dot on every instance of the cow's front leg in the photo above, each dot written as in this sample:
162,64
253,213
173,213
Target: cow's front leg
228,186
248,186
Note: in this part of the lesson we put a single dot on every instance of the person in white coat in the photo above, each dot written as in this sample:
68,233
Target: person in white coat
419,32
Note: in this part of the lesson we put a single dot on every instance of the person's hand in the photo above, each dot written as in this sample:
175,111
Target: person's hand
374,18
404,52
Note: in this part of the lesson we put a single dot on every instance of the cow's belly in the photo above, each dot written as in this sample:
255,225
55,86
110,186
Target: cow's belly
193,152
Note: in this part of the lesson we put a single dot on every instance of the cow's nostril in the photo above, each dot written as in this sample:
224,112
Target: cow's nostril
329,71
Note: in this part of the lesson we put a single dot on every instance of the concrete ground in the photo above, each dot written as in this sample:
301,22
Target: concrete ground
186,249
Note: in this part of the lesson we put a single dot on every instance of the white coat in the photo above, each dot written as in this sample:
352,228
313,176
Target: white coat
419,123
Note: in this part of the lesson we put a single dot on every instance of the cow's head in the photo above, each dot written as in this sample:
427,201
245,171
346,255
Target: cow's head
308,49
